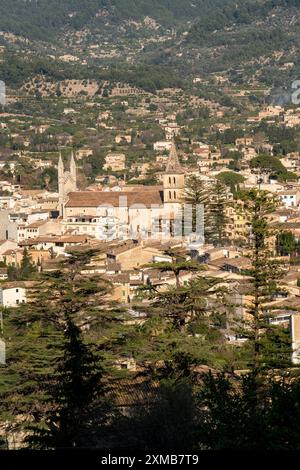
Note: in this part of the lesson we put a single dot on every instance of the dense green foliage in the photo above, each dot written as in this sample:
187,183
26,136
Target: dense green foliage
273,166
265,273
15,71
57,387
59,383
248,413
42,19
214,199
286,244
241,32
231,179
237,13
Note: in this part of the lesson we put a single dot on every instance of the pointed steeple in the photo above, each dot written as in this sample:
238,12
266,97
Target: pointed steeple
73,167
66,182
60,162
60,165
173,166
173,178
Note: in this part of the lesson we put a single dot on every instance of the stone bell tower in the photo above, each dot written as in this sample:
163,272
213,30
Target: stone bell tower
173,179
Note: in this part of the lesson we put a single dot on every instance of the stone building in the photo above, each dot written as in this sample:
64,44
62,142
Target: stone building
141,212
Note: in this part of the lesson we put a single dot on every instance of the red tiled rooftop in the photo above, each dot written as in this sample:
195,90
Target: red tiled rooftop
98,198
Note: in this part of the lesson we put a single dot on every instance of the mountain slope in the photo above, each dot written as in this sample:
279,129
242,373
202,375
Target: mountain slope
256,41
43,19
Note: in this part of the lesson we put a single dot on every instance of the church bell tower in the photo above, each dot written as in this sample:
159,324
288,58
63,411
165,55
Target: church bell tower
173,179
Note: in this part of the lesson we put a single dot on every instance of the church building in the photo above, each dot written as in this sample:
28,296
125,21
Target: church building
134,212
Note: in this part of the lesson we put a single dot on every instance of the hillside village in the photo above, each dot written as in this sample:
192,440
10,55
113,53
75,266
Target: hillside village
63,158
149,229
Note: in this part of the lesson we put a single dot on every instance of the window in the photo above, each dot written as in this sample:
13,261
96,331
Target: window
174,179
170,195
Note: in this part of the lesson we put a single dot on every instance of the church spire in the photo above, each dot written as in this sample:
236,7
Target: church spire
173,166
60,165
66,182
73,167
173,178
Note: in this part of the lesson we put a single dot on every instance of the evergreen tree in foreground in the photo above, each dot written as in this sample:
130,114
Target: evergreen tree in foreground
265,272
244,413
77,409
51,389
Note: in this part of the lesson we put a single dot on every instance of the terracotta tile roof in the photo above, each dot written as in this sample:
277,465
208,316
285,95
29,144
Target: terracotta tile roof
118,278
122,248
137,187
56,239
32,192
10,252
98,198
111,267
291,276
241,262
13,285
47,199
290,303
37,224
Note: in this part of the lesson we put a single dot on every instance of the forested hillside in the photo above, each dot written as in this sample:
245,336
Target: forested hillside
249,40
230,14
41,19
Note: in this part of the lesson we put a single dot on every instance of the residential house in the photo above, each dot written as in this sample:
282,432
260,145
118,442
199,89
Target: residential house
290,197
38,228
115,162
84,152
12,295
163,145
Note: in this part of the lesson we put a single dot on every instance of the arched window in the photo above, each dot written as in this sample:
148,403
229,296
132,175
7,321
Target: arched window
174,194
174,179
170,179
170,195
